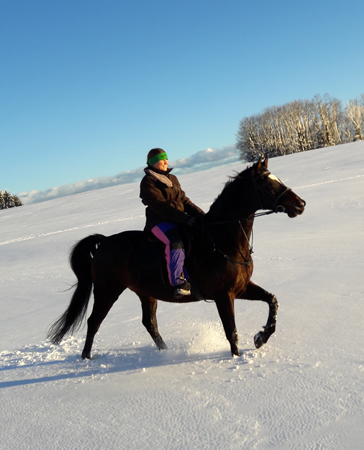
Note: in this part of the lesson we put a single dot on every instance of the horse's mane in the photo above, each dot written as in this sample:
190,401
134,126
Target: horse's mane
232,186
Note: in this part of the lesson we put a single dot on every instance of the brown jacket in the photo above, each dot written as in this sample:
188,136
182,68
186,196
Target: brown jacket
165,200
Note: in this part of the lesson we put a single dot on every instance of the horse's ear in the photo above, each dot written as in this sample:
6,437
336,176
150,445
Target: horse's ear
257,166
265,162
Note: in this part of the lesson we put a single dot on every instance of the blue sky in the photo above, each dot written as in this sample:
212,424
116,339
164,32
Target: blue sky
88,87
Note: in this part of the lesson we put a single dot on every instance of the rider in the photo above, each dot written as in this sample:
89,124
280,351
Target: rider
167,207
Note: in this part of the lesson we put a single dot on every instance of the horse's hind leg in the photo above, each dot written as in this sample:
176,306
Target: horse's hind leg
102,305
149,320
254,292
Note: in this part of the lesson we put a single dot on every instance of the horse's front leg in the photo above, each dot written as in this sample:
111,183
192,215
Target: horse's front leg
225,306
254,292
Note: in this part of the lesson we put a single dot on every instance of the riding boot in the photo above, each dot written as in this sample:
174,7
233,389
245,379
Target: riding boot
182,289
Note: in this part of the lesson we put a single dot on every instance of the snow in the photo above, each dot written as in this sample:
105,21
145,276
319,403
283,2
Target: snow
303,390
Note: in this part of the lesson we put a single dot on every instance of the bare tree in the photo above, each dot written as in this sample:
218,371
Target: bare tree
355,115
300,126
329,116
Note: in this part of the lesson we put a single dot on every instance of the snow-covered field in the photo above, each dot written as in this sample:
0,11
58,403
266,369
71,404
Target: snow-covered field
303,390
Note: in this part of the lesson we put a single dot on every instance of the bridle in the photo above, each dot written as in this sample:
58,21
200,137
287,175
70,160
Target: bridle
273,199
259,190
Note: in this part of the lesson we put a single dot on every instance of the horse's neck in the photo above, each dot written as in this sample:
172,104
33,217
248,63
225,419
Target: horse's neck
232,236
226,210
236,201
231,215
224,214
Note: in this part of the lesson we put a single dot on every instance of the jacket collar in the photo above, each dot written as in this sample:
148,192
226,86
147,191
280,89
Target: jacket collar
160,175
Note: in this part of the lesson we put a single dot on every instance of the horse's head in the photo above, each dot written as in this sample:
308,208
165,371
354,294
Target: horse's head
273,194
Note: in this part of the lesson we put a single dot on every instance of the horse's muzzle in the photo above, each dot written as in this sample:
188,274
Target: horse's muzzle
292,205
298,208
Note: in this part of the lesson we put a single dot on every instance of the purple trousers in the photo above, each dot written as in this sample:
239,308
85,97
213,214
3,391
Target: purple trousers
170,235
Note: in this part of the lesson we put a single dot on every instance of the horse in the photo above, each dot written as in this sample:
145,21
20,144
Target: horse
219,263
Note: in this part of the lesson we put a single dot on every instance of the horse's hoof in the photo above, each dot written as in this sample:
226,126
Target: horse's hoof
258,340
162,346
235,351
160,343
86,356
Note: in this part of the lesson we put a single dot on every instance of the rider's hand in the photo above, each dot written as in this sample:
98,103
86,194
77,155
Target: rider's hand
195,222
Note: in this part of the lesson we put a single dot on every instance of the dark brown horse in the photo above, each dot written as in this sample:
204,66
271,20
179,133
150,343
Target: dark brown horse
219,263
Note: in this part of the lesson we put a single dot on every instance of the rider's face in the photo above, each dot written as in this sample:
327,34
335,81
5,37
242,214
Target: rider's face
161,165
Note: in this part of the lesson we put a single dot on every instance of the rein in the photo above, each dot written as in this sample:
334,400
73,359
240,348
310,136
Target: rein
265,213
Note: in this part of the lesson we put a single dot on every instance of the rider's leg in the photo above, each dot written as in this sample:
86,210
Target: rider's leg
170,235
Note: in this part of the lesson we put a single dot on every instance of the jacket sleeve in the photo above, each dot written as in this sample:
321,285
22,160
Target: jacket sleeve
189,206
153,198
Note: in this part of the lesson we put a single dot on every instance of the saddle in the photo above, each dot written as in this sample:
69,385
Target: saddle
149,257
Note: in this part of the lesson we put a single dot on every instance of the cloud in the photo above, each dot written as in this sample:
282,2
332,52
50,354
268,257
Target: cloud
205,159
202,160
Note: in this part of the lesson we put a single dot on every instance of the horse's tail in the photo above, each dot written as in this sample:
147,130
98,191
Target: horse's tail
80,261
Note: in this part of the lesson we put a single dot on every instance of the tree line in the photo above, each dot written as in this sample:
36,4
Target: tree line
9,201
299,126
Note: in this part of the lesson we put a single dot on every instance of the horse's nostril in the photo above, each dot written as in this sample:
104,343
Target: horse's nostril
300,204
